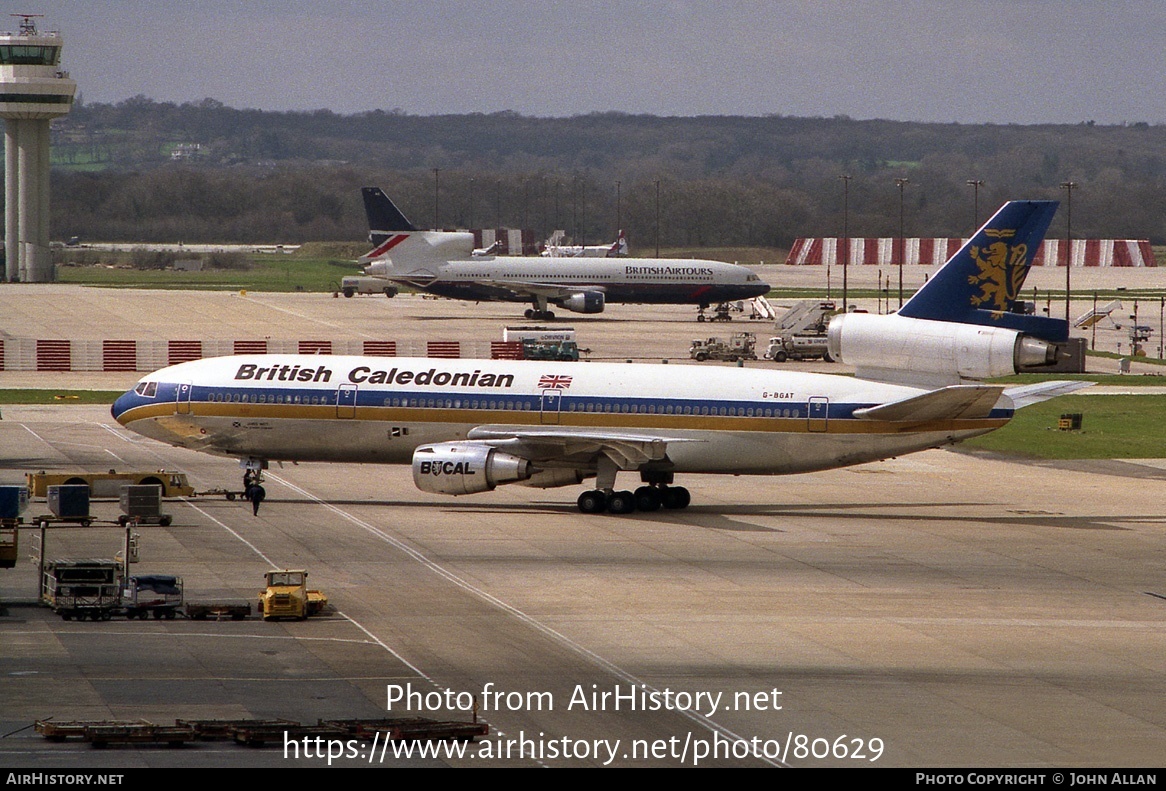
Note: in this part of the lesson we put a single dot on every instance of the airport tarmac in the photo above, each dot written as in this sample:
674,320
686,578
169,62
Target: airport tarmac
942,609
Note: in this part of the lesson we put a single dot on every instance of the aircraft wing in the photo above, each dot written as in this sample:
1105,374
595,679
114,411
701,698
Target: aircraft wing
1026,395
548,290
577,445
948,403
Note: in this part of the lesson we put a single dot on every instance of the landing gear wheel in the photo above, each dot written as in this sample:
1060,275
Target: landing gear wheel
528,313
676,497
592,502
648,499
621,502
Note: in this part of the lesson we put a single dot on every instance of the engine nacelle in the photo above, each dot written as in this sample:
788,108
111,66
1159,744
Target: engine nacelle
554,476
465,468
584,302
897,348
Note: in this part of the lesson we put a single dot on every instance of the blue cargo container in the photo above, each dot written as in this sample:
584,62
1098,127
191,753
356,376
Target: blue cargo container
13,501
69,502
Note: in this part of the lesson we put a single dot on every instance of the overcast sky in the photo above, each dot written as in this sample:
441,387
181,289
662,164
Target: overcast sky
969,61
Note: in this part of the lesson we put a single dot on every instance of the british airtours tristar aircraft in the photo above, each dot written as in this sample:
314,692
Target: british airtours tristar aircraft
444,263
468,426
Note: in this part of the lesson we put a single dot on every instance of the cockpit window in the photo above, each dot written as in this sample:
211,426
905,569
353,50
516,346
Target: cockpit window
147,389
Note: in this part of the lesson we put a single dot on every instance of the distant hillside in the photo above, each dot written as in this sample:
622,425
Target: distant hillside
156,171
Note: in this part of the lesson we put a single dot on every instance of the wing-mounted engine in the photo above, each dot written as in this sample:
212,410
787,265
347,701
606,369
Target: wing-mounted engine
465,468
584,302
550,478
900,349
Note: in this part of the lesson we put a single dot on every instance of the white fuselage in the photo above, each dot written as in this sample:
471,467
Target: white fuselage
380,409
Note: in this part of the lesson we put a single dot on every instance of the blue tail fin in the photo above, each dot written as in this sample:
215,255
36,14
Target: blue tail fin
980,284
384,217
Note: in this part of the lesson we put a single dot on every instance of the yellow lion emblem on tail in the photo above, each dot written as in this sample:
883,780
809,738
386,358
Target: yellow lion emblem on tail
1001,272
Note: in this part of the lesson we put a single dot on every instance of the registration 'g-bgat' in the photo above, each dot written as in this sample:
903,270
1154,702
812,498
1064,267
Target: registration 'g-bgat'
468,426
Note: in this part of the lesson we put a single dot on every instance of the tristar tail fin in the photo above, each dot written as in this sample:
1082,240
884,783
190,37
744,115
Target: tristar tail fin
384,218
407,249
980,284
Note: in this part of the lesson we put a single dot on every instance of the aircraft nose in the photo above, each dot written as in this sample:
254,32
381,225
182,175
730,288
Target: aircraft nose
122,405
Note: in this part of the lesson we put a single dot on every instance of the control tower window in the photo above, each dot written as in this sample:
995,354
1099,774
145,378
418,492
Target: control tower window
19,55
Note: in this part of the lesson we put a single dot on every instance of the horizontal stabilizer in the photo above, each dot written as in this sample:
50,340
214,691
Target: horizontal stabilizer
958,402
1027,395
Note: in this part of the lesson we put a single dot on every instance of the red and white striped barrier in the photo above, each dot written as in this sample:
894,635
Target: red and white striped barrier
121,355
933,251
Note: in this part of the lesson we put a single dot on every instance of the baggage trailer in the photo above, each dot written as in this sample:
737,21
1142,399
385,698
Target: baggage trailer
142,504
235,609
85,588
9,546
413,729
159,595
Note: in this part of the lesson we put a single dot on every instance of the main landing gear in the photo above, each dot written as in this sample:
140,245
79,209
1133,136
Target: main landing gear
538,310
645,498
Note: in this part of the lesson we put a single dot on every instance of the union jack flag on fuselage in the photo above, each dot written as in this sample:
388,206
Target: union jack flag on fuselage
554,382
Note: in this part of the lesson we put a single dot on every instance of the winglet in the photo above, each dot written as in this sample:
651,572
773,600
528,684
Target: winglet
980,284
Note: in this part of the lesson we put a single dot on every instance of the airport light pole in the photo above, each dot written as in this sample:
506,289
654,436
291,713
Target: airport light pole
471,203
975,184
902,247
657,219
617,208
1068,187
845,234
436,201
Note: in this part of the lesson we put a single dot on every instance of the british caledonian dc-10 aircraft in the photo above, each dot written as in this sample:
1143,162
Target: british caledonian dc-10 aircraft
468,426
444,263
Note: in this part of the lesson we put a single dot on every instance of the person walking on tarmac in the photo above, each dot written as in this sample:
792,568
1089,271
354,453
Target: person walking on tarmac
255,493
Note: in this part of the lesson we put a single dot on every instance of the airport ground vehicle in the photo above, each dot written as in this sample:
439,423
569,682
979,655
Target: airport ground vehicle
741,346
798,347
83,588
108,484
159,595
287,596
802,331
351,286
549,350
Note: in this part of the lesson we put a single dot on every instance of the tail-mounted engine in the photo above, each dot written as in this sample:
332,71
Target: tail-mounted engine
465,468
898,348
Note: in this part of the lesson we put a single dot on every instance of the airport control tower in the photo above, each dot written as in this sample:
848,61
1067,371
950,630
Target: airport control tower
33,91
